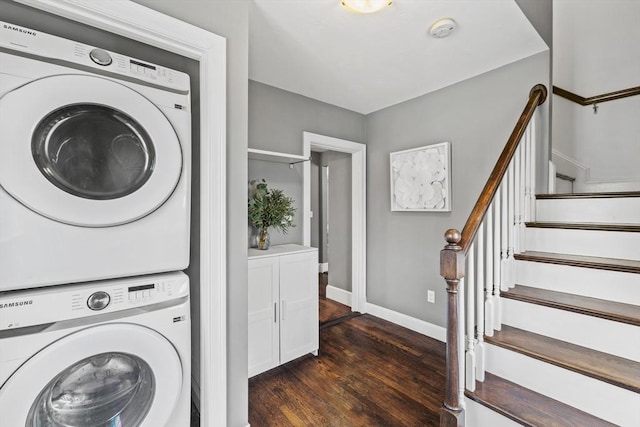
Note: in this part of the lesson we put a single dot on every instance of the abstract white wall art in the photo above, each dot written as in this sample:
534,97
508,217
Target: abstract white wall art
421,179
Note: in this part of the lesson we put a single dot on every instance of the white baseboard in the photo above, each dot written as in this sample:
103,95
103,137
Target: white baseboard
339,295
425,328
323,267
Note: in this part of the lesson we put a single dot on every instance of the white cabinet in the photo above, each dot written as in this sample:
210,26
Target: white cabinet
283,305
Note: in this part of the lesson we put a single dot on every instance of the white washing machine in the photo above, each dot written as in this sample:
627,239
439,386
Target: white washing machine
94,163
101,354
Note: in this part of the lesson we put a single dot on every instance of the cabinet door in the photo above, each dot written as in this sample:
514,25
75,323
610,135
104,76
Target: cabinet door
299,305
263,334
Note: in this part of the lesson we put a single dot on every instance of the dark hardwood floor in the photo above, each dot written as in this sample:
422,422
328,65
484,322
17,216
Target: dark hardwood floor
369,372
330,310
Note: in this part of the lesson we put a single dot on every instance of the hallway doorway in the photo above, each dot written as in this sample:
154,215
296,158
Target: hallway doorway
354,293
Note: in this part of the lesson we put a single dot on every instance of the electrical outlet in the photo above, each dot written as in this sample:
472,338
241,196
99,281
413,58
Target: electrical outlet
431,296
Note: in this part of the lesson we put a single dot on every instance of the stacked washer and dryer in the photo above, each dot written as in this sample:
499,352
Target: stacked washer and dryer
94,233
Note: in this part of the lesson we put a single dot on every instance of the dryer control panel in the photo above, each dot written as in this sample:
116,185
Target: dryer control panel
57,49
19,309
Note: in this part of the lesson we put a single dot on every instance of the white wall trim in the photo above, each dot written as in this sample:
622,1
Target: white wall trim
358,153
425,328
140,23
323,267
568,159
339,295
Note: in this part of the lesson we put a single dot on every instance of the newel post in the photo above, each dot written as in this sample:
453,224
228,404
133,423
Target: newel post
452,261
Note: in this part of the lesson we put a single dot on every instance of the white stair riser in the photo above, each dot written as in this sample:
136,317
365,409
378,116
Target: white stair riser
598,398
622,210
602,284
603,335
480,416
608,244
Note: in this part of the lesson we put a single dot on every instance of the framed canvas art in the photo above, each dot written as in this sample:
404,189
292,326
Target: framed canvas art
421,179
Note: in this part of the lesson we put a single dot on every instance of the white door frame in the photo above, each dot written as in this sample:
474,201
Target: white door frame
140,23
358,153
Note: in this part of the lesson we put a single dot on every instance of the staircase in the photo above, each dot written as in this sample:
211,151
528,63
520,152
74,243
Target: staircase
566,351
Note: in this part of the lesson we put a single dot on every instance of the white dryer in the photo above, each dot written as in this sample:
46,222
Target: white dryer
101,354
94,163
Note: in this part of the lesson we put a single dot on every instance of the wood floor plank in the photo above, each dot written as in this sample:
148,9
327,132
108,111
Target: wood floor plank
610,310
529,408
606,367
369,372
330,310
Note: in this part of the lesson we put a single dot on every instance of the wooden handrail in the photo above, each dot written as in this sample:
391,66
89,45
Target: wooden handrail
611,96
452,257
537,96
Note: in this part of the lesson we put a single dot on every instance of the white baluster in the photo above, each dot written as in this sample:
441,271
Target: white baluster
516,198
511,218
532,162
471,320
489,280
480,297
504,234
497,258
522,195
461,339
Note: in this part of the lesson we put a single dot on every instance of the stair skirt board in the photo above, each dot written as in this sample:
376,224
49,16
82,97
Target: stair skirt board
608,285
479,415
624,210
598,398
607,336
619,244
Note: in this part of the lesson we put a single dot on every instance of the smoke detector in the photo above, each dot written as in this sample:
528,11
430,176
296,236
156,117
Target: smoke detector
442,28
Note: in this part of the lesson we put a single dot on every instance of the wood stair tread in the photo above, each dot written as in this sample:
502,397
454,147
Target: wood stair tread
611,310
588,195
632,228
613,264
606,367
527,407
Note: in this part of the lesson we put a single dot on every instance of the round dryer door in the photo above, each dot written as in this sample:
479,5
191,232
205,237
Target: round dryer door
104,376
86,150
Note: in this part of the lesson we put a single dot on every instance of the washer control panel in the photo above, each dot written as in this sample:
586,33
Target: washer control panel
56,48
32,307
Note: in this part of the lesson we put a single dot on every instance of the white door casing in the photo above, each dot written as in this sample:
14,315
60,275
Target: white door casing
139,23
358,208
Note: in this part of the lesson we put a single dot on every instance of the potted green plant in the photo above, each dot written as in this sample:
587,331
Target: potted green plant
269,208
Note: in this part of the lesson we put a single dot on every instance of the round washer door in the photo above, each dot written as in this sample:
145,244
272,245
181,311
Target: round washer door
86,151
103,376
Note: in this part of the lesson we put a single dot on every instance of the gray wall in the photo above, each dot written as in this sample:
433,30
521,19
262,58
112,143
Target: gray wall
477,117
540,14
229,18
277,119
289,180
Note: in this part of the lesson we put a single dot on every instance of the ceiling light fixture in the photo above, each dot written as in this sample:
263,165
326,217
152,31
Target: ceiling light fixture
442,28
366,6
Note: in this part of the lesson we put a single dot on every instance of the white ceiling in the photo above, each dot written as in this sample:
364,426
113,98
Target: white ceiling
364,63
